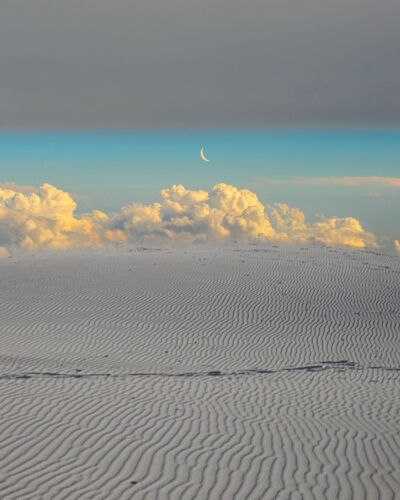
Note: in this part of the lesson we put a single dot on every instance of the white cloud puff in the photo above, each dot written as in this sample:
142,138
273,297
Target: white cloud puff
46,218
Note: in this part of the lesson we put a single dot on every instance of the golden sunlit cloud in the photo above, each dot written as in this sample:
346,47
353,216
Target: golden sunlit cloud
46,218
3,252
397,245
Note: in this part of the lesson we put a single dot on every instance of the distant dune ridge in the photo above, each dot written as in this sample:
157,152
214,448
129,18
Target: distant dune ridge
203,372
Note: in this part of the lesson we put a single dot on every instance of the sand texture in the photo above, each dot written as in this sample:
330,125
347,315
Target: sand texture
240,372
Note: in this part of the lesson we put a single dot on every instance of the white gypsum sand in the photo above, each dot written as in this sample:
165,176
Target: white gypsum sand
240,372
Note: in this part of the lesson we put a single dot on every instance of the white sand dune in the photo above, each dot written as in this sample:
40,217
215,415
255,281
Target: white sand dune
242,372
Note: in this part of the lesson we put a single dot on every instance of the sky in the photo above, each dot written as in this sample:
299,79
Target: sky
104,106
151,64
323,173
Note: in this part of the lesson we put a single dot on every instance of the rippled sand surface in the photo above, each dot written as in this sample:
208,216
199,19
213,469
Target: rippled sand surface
240,372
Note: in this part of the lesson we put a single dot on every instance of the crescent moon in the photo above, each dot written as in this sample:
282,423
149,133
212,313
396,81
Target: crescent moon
202,155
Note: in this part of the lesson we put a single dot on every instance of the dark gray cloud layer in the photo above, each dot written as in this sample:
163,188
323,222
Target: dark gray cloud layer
191,63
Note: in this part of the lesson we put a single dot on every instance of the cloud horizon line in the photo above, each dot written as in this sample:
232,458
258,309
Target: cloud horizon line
33,218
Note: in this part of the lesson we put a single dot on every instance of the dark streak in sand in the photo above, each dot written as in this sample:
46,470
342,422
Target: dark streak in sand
322,366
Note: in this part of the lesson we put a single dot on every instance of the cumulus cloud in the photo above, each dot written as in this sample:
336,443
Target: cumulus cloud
42,219
291,224
47,218
397,245
3,252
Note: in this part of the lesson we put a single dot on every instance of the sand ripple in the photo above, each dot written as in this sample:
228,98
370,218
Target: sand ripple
225,373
